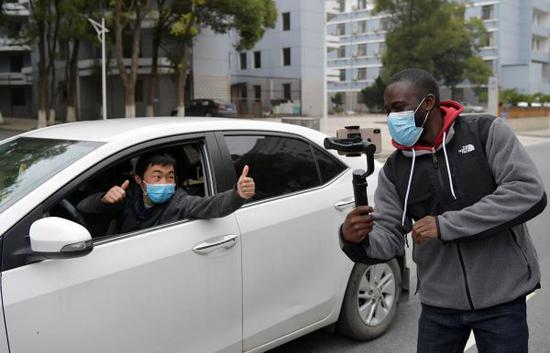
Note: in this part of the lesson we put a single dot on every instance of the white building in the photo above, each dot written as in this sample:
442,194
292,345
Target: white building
286,65
356,61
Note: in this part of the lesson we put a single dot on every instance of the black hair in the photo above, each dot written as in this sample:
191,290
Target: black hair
153,158
423,82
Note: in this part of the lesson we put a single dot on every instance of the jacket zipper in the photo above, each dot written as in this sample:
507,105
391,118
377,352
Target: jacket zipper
465,277
440,178
522,254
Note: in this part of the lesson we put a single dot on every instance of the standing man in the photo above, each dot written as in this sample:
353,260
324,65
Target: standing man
465,187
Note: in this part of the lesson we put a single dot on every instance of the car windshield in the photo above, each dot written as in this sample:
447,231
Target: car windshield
28,162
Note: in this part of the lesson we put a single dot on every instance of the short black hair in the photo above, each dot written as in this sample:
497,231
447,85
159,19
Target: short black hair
422,80
153,158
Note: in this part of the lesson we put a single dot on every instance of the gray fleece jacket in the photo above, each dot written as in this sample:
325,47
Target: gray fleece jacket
482,187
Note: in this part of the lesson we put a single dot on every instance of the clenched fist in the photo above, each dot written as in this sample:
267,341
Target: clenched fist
116,194
425,229
358,224
245,186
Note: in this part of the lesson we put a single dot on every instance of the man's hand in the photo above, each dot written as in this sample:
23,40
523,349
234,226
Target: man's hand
116,194
425,229
358,224
245,186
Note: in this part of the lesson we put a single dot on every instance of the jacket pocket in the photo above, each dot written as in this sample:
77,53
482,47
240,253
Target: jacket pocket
522,252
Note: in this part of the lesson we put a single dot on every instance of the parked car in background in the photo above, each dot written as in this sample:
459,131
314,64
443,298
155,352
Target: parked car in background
255,279
209,107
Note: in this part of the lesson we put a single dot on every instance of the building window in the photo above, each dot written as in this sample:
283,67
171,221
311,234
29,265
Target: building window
488,40
286,57
342,75
138,92
385,24
362,74
362,27
16,63
487,12
18,96
244,92
381,48
257,59
287,91
340,29
342,52
243,61
342,5
258,93
539,44
361,49
361,4
286,21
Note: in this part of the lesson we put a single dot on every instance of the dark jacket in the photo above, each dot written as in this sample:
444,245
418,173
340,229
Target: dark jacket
482,187
132,215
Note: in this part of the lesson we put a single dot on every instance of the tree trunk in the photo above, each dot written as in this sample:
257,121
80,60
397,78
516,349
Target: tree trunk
128,79
183,70
42,79
130,102
72,77
154,74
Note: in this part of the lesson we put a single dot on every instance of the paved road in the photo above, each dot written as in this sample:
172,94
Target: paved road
402,336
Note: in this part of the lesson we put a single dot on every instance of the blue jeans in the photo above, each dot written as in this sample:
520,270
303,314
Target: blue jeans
499,329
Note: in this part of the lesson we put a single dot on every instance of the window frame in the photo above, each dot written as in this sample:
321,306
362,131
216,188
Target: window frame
231,173
285,56
243,64
286,21
257,59
15,248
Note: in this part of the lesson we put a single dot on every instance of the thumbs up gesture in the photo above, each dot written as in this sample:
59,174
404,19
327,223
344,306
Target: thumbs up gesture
245,186
116,194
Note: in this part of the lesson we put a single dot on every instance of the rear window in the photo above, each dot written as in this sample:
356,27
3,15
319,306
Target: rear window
29,162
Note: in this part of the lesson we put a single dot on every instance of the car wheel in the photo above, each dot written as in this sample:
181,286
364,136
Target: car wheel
370,302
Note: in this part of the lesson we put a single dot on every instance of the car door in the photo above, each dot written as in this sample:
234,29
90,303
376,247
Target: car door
292,265
172,288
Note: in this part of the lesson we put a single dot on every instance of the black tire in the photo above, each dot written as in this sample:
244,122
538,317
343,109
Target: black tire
351,323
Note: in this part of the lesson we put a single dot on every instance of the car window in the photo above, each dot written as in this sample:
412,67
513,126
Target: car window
329,166
279,165
83,206
28,162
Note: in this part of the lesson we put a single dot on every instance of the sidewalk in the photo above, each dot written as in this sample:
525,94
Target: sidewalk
18,124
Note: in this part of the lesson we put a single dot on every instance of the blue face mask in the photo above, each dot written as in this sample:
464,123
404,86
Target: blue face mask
402,126
159,193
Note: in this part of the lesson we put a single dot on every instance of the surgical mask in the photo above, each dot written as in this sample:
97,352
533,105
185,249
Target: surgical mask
159,193
402,126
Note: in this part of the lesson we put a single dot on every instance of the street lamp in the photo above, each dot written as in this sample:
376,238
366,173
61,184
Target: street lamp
101,30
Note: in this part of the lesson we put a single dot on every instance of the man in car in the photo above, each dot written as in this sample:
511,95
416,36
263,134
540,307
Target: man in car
465,187
154,197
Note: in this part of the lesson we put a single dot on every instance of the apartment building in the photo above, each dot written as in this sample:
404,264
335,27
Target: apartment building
15,69
518,45
284,72
354,62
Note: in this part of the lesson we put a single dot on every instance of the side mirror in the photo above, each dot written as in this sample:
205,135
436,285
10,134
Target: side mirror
59,238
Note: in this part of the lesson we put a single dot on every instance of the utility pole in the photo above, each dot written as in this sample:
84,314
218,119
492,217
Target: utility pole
101,30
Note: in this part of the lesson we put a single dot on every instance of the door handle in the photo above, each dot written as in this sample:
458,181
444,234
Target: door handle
226,242
344,203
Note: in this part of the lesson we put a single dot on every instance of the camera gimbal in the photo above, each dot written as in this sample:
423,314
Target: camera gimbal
355,146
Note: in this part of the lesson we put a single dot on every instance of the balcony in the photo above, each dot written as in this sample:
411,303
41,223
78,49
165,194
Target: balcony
333,42
7,44
16,78
89,67
333,75
540,56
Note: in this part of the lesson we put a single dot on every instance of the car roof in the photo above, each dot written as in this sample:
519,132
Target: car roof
149,128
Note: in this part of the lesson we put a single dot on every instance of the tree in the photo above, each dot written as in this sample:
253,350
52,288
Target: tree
74,29
373,95
433,35
129,15
338,101
248,18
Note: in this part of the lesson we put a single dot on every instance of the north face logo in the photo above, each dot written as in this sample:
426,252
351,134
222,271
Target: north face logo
467,149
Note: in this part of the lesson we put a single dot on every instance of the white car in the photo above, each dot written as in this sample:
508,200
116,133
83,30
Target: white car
266,274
